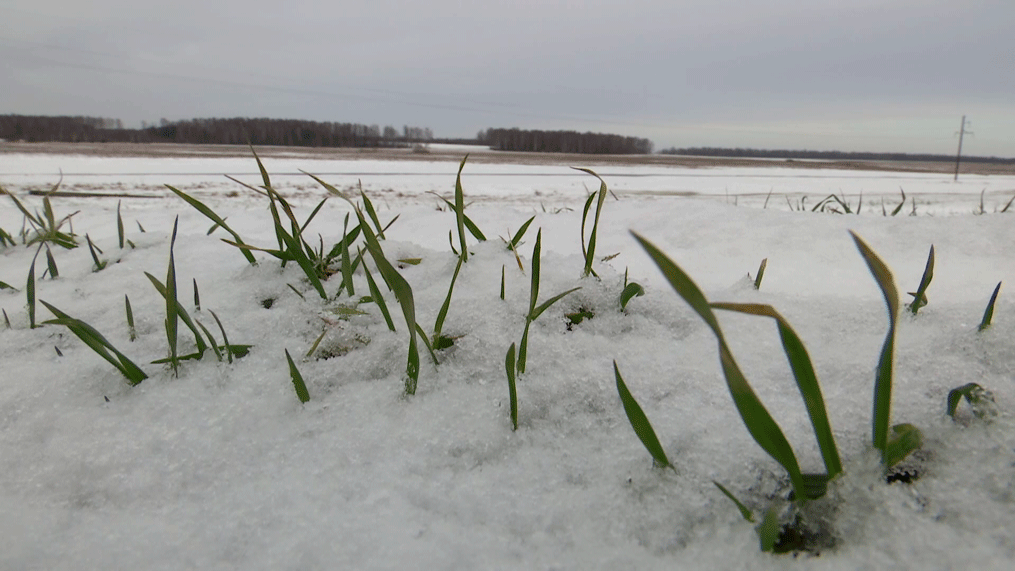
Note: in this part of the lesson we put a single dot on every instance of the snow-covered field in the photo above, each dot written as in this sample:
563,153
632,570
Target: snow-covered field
223,468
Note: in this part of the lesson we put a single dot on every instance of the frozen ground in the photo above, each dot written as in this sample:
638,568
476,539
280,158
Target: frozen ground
224,468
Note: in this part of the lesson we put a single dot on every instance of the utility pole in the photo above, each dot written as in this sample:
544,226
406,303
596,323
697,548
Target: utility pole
958,157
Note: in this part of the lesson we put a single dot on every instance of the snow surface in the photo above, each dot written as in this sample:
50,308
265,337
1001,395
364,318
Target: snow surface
223,468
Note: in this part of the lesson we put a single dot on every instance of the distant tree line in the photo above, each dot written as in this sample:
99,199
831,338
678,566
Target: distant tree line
826,155
64,128
562,142
235,131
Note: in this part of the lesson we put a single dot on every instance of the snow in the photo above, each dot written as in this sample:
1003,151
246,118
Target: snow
223,467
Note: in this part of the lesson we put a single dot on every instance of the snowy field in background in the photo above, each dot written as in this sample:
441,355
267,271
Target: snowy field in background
223,468
546,185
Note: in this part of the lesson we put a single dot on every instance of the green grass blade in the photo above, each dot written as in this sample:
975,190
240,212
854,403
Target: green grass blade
517,238
546,304
746,513
761,273
469,224
631,291
1008,205
32,219
443,313
230,349
375,295
301,387
590,254
955,396
260,167
769,529
119,224
509,365
426,343
5,285
208,213
756,417
905,439
920,297
130,319
534,287
460,210
883,378
99,344
313,214
211,340
403,292
172,316
369,207
99,264
181,312
7,320
523,348
197,297
296,291
295,248
47,209
30,291
501,282
806,380
639,422
988,314
316,343
54,272
397,216
329,188
901,204
585,215
346,260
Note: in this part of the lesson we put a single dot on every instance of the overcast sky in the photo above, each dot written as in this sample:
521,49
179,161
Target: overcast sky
892,75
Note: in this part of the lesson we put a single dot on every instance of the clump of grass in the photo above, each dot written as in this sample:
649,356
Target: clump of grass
46,229
589,252
395,282
988,314
894,442
904,437
98,343
920,295
535,310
